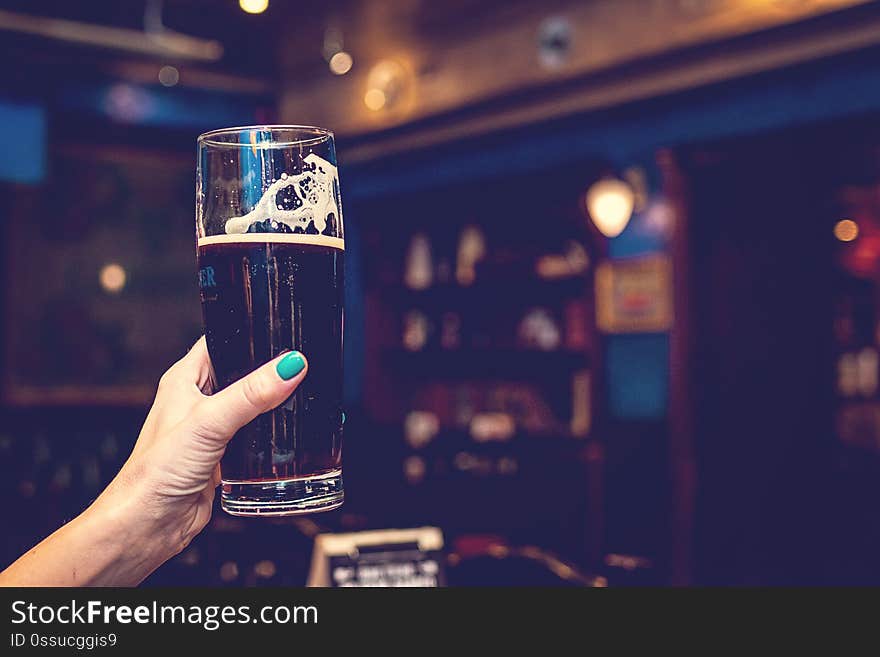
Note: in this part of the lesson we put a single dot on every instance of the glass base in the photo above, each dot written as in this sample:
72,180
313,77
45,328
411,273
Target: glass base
283,497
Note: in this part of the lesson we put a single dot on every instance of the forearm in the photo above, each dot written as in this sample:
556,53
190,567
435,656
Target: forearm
164,494
107,545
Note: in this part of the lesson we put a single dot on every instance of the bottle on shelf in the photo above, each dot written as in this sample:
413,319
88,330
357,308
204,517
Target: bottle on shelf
492,426
580,404
471,250
416,330
420,428
573,261
419,268
576,325
450,331
539,330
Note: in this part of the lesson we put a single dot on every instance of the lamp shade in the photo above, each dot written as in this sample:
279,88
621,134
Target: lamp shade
610,205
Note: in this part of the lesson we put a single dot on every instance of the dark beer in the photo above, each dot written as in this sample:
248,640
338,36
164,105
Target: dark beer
259,299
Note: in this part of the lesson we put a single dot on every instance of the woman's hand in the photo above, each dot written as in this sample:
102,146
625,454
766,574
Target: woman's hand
174,468
163,495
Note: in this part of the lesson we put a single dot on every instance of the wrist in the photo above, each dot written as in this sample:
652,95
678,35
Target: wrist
133,527
115,542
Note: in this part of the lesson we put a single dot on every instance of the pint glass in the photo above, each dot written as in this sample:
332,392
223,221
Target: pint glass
271,255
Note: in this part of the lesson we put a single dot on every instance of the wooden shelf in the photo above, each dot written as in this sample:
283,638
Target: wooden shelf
456,438
488,363
490,293
124,396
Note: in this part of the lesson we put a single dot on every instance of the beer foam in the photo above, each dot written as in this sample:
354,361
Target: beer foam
275,238
316,189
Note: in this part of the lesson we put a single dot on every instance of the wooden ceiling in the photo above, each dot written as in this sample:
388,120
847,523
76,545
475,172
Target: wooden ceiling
456,67
466,66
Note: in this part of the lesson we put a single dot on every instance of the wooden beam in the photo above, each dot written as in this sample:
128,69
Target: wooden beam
165,43
191,77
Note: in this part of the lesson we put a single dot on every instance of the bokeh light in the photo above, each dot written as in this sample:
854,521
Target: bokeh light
254,6
168,76
341,63
846,230
374,99
112,277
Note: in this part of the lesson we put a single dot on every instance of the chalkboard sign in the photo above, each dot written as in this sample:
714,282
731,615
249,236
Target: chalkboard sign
382,558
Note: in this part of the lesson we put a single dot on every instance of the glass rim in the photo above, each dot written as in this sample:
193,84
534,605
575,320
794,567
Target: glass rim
311,135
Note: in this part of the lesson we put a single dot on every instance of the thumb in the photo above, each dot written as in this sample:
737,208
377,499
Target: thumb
225,412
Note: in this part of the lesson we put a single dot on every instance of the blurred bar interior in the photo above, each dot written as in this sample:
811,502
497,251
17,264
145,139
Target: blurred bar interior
613,266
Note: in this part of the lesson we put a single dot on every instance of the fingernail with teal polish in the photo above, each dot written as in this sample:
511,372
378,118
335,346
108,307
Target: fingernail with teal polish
291,365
